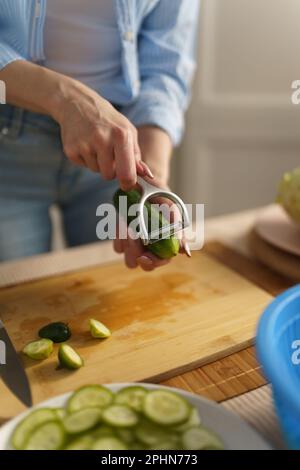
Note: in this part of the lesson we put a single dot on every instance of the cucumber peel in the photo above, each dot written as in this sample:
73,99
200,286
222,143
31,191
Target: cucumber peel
58,332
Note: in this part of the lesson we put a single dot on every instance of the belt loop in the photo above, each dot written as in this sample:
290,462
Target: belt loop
16,122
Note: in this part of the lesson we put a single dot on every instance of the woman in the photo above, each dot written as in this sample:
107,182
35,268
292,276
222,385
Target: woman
93,87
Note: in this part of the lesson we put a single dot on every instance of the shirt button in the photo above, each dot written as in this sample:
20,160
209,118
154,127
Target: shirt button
128,36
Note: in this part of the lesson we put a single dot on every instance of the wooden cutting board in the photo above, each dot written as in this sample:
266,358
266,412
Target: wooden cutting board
184,315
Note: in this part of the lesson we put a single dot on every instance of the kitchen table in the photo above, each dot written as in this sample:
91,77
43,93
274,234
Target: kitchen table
233,376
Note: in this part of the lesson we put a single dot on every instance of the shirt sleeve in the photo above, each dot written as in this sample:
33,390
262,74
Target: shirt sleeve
166,50
8,54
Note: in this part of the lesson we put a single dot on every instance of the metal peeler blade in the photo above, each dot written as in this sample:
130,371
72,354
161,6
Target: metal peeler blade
150,191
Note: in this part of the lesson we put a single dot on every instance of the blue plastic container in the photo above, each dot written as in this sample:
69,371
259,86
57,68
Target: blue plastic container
278,348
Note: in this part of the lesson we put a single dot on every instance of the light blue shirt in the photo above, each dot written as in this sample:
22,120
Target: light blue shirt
157,55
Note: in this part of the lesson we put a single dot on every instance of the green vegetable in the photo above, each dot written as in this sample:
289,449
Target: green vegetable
166,408
109,443
82,420
32,421
98,330
39,350
289,194
200,438
58,332
80,443
68,357
89,395
132,396
120,416
164,248
94,418
48,436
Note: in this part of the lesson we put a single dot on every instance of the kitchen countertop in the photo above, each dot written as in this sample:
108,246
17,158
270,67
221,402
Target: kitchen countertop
226,239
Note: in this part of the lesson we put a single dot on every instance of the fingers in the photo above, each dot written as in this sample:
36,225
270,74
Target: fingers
125,158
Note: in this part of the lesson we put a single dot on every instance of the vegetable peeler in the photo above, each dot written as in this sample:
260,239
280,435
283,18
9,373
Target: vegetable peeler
149,191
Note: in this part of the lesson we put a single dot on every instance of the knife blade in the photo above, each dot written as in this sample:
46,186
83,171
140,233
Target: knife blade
11,369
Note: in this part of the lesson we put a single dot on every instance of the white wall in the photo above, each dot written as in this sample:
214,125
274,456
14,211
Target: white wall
242,129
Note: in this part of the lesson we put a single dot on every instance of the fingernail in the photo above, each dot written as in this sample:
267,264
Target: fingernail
144,260
147,169
187,249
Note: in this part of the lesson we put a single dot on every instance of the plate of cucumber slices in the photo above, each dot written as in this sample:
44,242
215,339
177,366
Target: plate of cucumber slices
128,417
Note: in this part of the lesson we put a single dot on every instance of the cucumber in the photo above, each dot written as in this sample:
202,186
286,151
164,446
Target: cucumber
120,416
200,438
103,431
29,423
166,408
166,445
60,413
194,420
48,436
98,330
80,443
164,248
109,443
39,350
82,420
126,435
69,358
58,332
89,395
132,396
151,434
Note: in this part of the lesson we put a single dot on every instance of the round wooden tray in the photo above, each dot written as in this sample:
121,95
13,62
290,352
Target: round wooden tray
278,260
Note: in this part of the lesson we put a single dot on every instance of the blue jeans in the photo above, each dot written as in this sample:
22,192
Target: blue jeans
34,174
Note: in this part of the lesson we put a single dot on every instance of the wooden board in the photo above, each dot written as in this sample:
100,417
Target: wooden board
276,259
187,314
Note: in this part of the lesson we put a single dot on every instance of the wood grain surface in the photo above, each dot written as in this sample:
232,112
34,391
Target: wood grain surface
164,324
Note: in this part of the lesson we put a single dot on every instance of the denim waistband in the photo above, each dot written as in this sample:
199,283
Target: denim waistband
15,118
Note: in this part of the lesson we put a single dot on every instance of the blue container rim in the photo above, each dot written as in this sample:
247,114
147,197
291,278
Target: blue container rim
274,365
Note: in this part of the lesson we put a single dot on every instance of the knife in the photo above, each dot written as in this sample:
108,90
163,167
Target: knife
11,369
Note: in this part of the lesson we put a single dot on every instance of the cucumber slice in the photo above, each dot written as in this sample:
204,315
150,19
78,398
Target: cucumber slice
120,416
103,431
39,350
137,446
98,330
193,421
166,445
28,424
151,434
126,435
60,413
89,396
82,420
80,443
166,408
48,436
69,358
132,396
200,438
109,443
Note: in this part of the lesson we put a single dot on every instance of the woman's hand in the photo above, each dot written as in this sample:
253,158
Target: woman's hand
95,135
156,150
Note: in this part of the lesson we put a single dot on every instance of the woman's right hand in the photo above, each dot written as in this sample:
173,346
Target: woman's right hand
95,135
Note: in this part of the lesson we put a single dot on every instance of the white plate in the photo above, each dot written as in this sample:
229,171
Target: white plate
277,228
234,432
